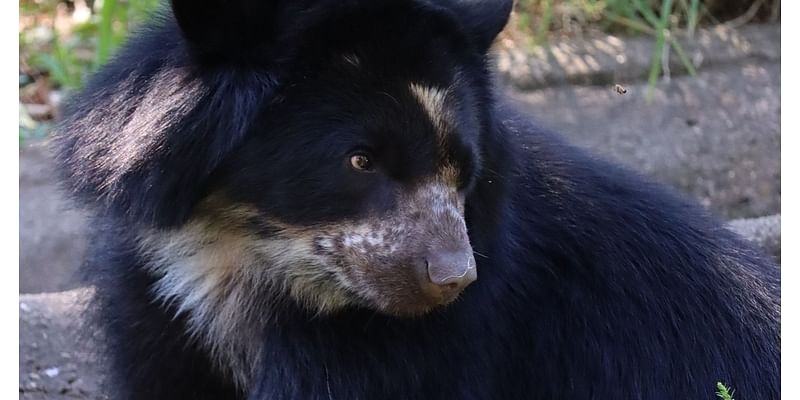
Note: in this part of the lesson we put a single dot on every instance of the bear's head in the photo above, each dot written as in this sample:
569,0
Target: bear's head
318,151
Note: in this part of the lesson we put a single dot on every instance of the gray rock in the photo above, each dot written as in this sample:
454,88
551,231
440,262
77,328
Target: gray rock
57,352
764,231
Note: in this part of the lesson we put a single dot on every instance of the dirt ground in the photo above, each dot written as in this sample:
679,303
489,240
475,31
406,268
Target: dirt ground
714,137
51,240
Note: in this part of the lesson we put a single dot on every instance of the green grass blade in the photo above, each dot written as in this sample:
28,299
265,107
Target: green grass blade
105,34
694,12
647,12
544,22
121,17
655,64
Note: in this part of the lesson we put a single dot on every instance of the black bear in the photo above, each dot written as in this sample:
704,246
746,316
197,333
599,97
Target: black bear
330,199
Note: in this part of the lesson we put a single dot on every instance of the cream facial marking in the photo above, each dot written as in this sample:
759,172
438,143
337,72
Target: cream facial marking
433,100
378,251
222,275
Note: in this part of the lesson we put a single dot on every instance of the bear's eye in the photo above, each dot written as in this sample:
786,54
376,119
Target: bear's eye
361,162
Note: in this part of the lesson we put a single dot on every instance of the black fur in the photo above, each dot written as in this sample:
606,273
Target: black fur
592,282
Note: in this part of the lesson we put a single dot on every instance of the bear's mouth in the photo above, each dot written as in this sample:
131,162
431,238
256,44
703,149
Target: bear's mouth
421,307
416,296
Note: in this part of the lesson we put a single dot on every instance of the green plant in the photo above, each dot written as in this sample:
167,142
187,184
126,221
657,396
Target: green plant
724,392
547,17
69,58
60,43
61,63
641,17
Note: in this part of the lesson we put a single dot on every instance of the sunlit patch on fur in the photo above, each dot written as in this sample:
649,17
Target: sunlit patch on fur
162,106
352,60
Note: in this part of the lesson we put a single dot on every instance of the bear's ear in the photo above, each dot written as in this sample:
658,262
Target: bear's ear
219,27
483,19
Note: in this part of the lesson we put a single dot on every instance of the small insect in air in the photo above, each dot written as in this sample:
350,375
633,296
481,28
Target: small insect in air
620,89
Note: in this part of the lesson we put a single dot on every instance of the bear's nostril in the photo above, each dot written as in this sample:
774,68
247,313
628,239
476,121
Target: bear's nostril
450,271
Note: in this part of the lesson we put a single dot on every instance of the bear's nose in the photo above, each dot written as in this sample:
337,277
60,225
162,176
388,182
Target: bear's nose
448,272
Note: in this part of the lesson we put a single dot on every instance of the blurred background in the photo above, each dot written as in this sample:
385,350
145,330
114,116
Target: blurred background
686,91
